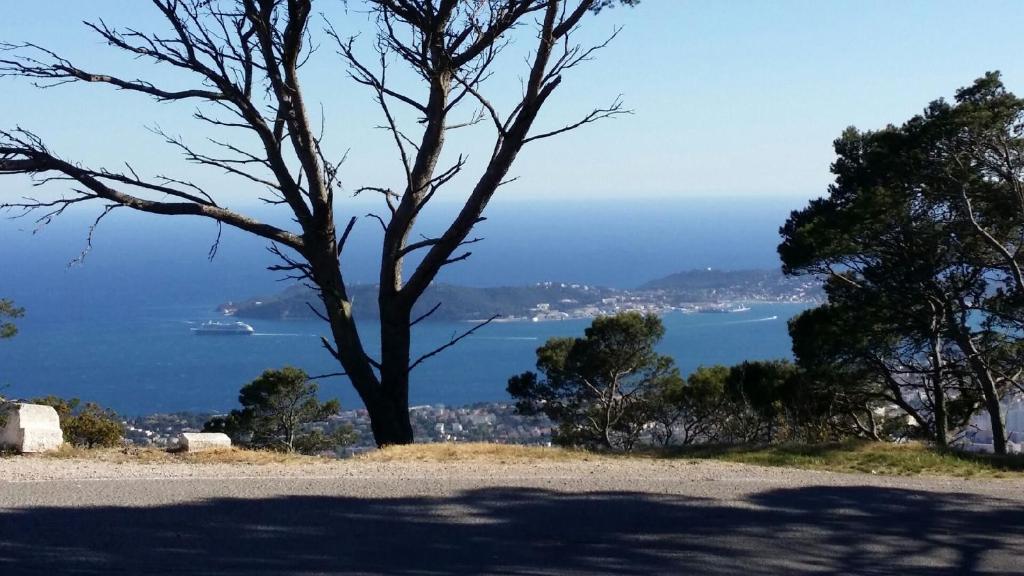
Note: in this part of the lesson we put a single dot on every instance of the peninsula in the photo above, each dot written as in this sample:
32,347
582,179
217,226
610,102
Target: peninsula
704,290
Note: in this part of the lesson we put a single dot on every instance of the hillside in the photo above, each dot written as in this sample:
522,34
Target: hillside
709,285
552,300
458,303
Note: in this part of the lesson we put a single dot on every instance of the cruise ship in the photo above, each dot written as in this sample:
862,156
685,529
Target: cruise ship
722,309
223,329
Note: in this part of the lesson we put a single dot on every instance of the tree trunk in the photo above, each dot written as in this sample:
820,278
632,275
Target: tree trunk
995,414
941,420
871,428
669,433
991,394
386,397
389,414
940,311
874,425
988,386
389,420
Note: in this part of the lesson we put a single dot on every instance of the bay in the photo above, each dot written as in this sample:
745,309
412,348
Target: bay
155,364
115,328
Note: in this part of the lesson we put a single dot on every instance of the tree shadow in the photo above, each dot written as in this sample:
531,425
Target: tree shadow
820,530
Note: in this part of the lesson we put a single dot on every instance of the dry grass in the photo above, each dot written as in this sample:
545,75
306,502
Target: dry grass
133,455
866,457
849,457
475,452
444,452
856,457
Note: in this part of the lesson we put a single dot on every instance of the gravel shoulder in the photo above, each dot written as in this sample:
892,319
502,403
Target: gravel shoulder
701,478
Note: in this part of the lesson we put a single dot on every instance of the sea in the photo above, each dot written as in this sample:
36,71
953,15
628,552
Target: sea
114,327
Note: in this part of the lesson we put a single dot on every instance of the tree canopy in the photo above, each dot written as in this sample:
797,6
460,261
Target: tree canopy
919,239
278,409
594,387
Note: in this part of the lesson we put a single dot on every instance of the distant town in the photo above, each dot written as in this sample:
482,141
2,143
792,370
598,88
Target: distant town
698,291
495,422
485,422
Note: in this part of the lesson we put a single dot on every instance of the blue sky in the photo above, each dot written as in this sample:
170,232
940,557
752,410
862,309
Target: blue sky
736,98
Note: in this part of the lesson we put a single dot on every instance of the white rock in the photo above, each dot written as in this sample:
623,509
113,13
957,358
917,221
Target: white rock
200,441
30,428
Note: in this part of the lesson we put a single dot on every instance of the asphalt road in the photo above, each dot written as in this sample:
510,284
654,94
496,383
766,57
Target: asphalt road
519,519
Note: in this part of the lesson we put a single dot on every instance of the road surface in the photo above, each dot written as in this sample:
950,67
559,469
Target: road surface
597,517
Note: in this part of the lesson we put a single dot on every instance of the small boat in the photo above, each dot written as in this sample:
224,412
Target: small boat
740,309
223,329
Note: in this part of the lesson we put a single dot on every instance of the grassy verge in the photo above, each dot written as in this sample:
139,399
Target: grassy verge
475,451
854,457
159,456
865,457
441,452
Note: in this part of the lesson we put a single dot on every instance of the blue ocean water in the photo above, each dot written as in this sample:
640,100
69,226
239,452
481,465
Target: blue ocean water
115,329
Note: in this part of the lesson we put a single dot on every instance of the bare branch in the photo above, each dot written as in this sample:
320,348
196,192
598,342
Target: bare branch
19,155
92,230
425,315
455,340
383,226
21,62
329,375
345,234
615,109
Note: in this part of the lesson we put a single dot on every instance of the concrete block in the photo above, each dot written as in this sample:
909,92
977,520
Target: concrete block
30,428
201,441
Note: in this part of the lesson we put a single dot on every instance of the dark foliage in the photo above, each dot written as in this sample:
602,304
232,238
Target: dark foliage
86,425
595,387
920,241
279,412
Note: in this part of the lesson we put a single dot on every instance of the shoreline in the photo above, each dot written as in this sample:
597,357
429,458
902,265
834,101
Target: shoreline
520,319
660,312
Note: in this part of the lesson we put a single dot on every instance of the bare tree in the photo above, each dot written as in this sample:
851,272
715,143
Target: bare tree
244,57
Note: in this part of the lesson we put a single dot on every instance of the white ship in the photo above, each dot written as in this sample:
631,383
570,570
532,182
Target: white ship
721,309
223,329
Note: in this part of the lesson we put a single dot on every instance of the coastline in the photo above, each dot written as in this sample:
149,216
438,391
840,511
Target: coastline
687,308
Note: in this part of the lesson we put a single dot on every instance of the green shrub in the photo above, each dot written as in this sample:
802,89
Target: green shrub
87,425
278,412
